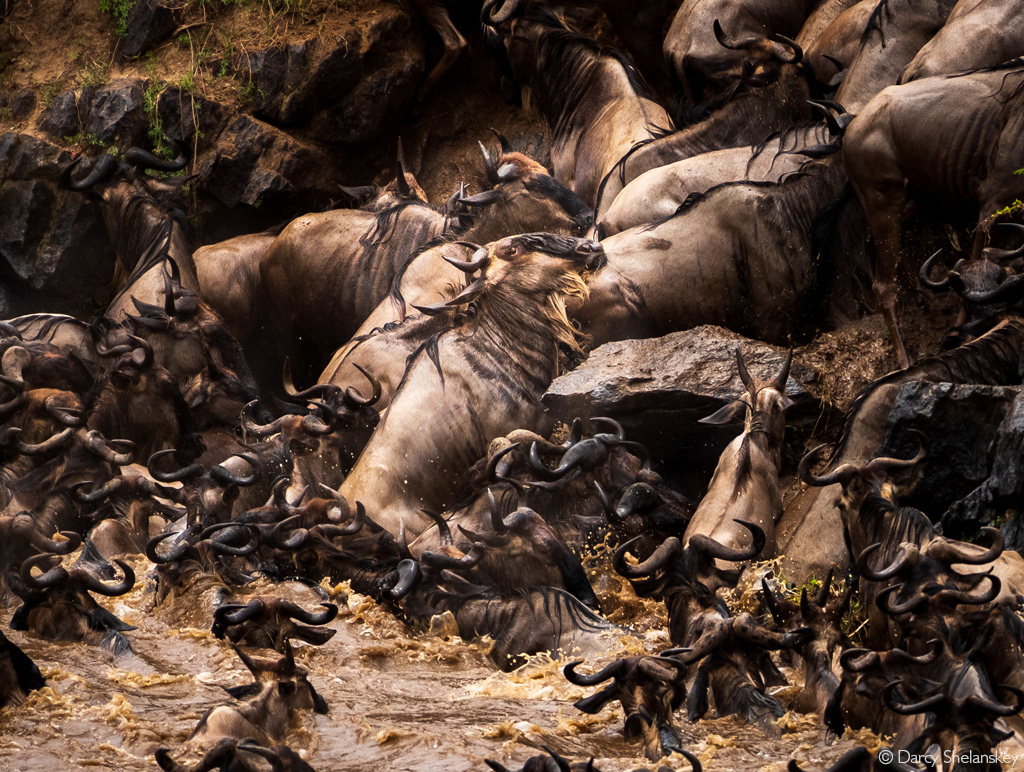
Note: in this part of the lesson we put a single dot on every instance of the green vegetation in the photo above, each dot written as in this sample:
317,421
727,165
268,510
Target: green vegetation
155,132
119,10
96,74
49,92
84,140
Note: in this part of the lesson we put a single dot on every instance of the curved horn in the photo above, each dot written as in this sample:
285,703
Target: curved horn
49,578
236,614
145,160
176,552
441,560
94,584
858,660
408,574
259,431
709,546
779,384
952,551
927,658
109,488
403,184
506,147
961,597
986,705
924,273
798,52
101,170
356,398
102,447
308,617
69,416
226,477
669,549
909,709
479,260
843,474
906,557
56,442
506,10
442,526
913,605
179,475
489,168
733,45
614,426
296,540
614,670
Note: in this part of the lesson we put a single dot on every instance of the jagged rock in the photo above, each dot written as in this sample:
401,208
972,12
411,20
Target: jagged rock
150,22
347,85
961,424
255,164
115,112
1001,494
51,240
659,388
23,103
61,118
182,114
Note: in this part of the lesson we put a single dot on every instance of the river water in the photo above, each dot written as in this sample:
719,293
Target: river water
397,701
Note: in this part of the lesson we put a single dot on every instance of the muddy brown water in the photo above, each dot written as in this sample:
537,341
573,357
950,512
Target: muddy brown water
398,701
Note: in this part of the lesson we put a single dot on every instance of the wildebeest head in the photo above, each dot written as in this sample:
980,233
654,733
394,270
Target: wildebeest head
525,551
57,604
194,344
18,674
403,188
650,690
963,726
521,197
764,403
762,59
270,623
123,187
290,681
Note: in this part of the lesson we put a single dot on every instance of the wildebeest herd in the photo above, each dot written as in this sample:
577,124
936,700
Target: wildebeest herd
745,164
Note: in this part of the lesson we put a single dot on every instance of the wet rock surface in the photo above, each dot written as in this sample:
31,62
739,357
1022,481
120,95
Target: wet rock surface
962,425
660,387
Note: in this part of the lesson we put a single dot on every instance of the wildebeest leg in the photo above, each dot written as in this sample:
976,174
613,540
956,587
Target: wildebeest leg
881,190
436,15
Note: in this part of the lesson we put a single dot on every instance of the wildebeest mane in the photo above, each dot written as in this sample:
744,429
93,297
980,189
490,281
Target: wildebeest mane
153,251
875,22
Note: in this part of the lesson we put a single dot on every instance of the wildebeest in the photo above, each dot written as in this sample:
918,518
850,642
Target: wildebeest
326,271
592,99
658,193
951,138
57,604
895,32
771,99
281,688
477,381
267,623
19,675
746,480
694,46
977,33
650,690
743,256
810,533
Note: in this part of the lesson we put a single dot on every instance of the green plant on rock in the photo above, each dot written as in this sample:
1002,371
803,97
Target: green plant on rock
119,10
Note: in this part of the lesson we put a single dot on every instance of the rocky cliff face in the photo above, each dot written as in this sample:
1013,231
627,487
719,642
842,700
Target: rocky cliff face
276,101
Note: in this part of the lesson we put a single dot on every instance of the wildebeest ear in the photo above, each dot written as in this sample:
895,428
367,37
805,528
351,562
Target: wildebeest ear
241,692
28,674
729,413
